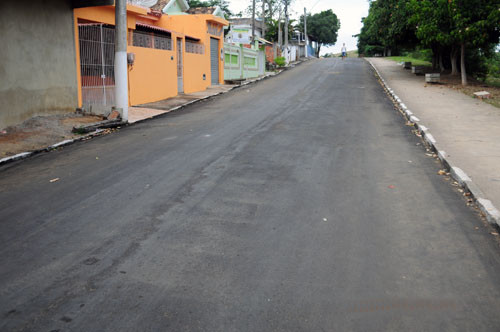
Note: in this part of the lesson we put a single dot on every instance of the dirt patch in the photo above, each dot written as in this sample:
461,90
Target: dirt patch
40,132
454,82
80,120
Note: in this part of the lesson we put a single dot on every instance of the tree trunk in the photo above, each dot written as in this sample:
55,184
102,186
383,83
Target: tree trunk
434,61
317,51
453,57
462,65
441,65
434,50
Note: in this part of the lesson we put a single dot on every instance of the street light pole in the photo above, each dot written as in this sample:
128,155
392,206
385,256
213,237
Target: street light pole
121,80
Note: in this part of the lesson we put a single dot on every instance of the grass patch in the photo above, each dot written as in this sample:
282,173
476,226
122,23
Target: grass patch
493,81
350,54
415,62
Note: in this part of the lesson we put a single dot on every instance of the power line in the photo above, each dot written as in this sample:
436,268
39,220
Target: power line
310,10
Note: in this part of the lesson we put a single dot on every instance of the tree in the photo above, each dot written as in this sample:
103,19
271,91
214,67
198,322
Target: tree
272,8
322,27
374,36
457,25
476,24
433,25
272,29
369,42
223,4
452,29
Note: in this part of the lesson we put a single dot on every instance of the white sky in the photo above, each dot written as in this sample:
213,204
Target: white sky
349,12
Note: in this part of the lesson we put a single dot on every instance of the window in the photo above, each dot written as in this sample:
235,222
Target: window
151,38
194,46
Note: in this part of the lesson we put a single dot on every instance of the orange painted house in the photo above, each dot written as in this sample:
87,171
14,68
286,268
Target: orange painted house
171,49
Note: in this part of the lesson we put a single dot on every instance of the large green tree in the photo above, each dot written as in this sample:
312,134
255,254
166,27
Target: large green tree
387,28
323,27
476,24
433,26
460,26
452,29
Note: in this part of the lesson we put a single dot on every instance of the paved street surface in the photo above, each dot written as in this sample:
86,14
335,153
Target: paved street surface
301,203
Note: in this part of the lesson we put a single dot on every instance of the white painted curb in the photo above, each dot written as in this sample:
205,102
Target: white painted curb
485,205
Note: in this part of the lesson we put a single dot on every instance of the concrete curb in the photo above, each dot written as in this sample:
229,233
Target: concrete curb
99,132
485,205
24,155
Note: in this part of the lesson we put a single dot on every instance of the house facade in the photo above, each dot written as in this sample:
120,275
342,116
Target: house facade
64,58
172,49
37,60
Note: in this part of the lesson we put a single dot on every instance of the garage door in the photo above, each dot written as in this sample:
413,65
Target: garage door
214,60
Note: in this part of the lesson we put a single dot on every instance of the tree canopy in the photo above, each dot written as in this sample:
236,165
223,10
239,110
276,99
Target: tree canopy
452,29
322,27
223,4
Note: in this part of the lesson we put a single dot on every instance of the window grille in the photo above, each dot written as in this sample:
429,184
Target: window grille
151,40
196,48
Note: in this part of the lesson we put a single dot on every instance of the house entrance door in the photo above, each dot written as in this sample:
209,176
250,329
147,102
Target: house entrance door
180,83
97,54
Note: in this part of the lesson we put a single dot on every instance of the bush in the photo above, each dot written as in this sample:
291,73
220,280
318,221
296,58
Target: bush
372,50
476,64
424,54
280,61
493,63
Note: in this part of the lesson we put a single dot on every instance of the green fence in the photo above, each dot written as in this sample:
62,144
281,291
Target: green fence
241,63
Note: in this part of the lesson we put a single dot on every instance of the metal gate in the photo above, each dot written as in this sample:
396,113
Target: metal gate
97,54
180,83
214,60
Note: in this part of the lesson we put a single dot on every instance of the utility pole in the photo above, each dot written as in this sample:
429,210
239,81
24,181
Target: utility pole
253,21
279,30
280,36
264,19
286,24
305,28
121,81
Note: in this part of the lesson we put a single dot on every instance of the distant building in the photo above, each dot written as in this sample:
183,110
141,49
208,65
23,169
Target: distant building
240,30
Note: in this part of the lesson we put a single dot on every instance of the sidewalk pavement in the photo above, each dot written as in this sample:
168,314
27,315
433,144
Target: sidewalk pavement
151,110
467,129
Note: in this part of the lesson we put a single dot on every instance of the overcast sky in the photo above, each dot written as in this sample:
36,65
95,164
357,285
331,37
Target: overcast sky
349,12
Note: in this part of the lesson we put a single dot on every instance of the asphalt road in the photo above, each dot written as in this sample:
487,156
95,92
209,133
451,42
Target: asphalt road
300,203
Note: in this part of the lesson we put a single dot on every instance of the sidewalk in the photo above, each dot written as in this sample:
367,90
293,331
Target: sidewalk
151,110
467,129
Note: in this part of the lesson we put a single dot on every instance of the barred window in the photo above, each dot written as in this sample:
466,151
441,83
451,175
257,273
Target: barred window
151,39
194,47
